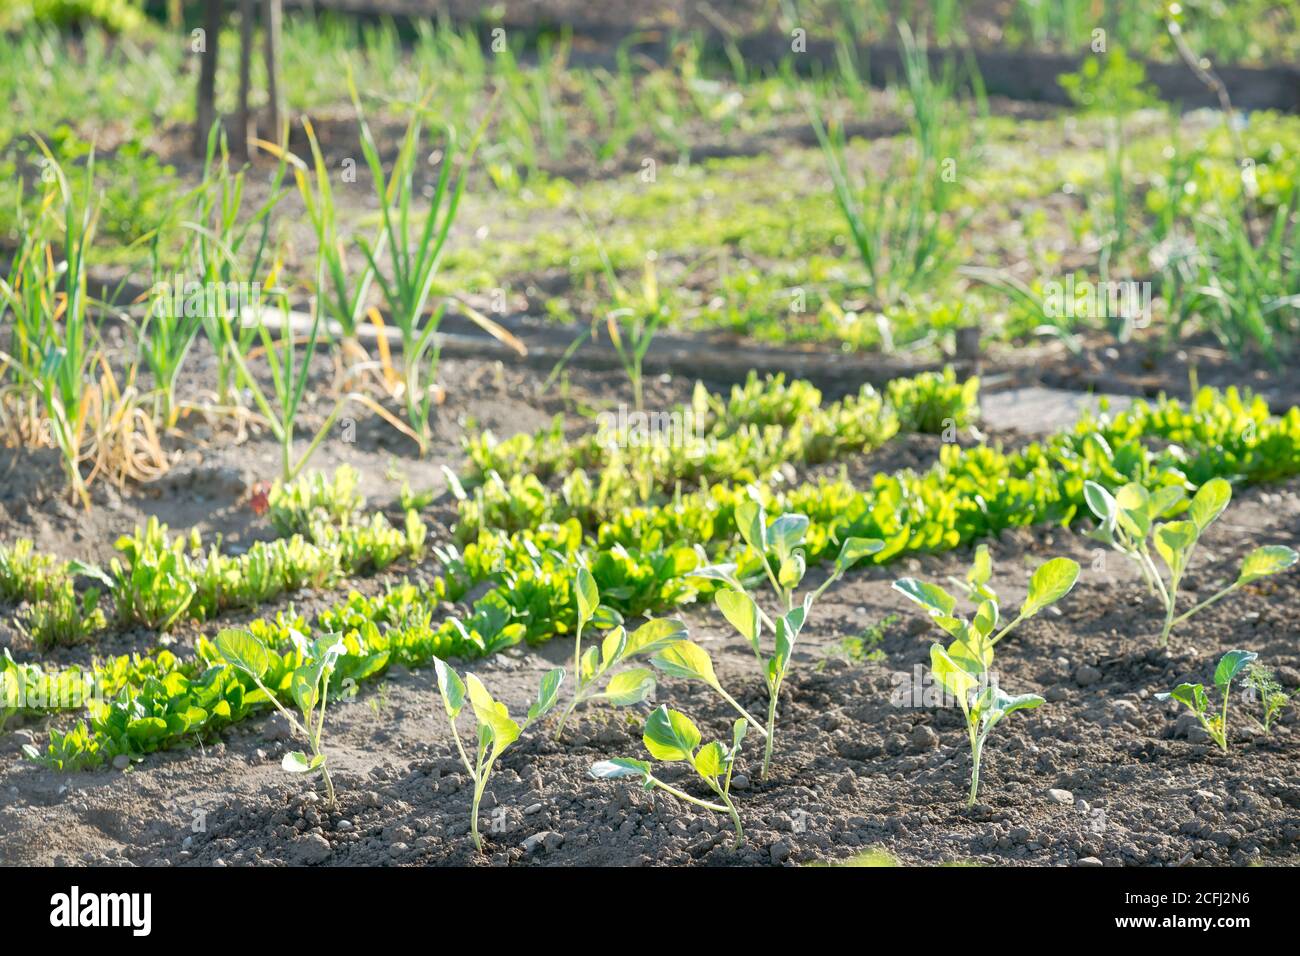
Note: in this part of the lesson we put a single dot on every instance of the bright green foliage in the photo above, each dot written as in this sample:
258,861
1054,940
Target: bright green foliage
63,619
26,574
1272,698
1130,523
779,548
308,686
671,736
294,508
164,580
1193,696
933,402
598,664
54,615
964,668
496,729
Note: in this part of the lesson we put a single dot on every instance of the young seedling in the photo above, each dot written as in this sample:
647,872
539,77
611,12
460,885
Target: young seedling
1193,696
496,729
309,686
964,668
1272,697
671,736
592,666
1129,518
783,538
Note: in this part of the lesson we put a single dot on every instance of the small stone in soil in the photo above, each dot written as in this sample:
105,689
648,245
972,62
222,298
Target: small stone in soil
924,737
1064,797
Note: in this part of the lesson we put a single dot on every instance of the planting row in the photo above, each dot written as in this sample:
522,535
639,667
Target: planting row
963,668
969,494
161,580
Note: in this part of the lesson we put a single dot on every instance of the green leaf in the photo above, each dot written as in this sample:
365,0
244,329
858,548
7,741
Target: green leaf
930,596
588,596
738,730
612,647
305,687
1230,665
450,686
788,626
491,714
956,680
1007,704
1209,502
299,762
1193,695
711,761
981,570
717,572
241,649
786,533
670,735
687,659
986,618
619,767
630,687
1266,560
752,524
854,550
740,610
655,634
1101,503
548,693
1173,542
1051,582
791,570
1133,502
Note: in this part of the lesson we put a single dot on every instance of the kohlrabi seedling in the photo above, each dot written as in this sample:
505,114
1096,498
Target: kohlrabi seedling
597,663
1131,516
309,685
778,546
671,736
1272,697
1193,696
496,730
964,668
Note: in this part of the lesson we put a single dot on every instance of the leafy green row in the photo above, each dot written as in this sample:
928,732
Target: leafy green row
161,580
745,437
54,613
969,493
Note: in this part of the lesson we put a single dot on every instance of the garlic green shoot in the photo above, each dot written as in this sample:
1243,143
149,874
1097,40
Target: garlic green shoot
671,736
309,685
965,667
779,548
1130,518
1194,697
496,730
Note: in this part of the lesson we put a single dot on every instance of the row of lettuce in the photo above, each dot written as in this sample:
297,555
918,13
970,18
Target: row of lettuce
324,535
642,559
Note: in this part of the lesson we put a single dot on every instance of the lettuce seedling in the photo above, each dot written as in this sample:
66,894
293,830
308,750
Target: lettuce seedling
496,729
671,736
1272,697
964,668
778,544
1129,518
1193,696
599,662
309,685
